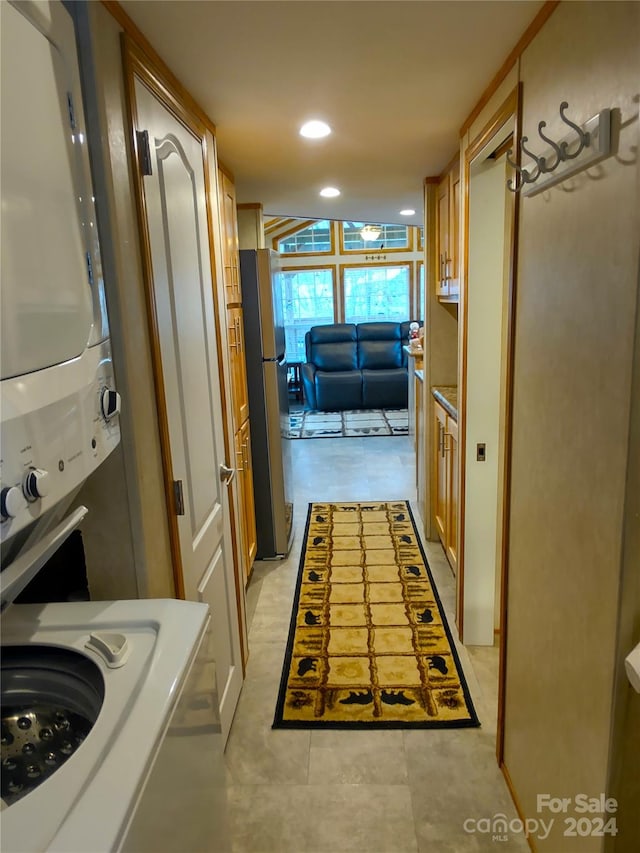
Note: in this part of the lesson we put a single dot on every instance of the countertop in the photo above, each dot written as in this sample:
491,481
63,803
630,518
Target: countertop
447,396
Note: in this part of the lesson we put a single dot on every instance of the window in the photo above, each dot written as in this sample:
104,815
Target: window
376,293
420,314
313,240
308,300
391,237
420,238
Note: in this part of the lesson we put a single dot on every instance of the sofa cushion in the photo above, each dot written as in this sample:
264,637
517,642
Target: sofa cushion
379,346
385,389
336,391
333,347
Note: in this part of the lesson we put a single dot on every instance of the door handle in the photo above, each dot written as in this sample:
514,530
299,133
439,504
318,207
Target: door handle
226,474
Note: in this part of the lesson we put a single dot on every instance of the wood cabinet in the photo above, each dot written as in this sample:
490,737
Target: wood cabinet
421,467
245,492
245,521
448,235
445,485
235,344
230,246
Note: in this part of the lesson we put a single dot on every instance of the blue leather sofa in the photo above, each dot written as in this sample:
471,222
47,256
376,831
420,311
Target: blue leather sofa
356,366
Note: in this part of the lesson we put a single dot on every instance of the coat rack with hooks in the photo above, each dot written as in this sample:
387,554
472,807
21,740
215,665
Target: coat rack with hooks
582,147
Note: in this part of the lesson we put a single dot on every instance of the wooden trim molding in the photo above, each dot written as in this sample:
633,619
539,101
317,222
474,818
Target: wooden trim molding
134,65
509,111
525,40
135,34
432,179
508,443
516,803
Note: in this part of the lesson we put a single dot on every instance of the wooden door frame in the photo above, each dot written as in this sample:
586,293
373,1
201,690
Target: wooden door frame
179,104
509,111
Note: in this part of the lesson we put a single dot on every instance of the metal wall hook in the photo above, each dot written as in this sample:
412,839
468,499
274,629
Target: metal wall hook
523,176
584,138
595,135
531,176
557,149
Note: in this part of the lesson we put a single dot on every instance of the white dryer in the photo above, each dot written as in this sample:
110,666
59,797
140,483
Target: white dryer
110,729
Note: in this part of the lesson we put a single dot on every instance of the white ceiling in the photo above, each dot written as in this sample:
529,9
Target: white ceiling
394,79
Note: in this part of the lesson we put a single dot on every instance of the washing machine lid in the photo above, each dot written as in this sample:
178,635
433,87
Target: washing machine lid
88,803
46,299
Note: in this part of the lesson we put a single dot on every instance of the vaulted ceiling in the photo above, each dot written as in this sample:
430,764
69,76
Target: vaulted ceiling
395,80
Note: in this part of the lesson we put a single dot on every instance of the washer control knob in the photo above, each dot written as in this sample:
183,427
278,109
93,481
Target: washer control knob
109,403
11,502
35,484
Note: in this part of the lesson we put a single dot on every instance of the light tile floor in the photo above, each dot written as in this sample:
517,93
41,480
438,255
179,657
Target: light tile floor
371,792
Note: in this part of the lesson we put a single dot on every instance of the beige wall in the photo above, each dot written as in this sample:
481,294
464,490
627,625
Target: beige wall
575,315
128,551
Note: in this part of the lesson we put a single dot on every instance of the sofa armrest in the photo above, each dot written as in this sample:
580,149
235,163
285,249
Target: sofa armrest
308,372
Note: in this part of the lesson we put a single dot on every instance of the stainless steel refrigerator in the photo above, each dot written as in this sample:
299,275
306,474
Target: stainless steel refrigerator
268,400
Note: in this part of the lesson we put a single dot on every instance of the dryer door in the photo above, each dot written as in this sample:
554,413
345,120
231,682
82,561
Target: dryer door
46,300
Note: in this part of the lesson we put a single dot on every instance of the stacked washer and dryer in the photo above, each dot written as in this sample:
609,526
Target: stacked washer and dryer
110,730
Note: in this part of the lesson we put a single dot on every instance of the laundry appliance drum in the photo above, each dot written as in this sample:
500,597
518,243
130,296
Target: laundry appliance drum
50,699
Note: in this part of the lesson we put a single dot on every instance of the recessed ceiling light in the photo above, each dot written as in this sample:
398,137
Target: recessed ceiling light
329,192
315,129
407,212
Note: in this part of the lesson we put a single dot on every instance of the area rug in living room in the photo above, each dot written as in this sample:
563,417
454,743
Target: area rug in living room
369,645
358,422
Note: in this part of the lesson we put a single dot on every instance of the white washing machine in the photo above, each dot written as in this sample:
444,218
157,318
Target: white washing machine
110,728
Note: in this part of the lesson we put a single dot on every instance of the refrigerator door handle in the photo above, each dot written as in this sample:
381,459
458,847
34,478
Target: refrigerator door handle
226,474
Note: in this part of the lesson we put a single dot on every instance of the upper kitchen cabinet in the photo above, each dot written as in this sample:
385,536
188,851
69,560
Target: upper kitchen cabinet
229,225
448,234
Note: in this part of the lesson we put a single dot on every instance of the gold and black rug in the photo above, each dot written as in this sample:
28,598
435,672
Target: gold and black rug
369,645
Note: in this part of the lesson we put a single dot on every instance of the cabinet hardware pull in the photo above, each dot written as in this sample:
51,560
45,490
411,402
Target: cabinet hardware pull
238,334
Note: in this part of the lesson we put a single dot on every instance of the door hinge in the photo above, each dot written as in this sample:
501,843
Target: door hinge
178,497
144,152
72,112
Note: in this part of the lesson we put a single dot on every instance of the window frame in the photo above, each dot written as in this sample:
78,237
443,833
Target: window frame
296,229
372,247
332,268
409,265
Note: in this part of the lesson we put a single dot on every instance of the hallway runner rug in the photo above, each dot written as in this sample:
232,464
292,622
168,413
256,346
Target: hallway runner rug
356,423
369,645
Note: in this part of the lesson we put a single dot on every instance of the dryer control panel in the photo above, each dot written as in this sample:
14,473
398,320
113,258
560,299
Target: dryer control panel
58,425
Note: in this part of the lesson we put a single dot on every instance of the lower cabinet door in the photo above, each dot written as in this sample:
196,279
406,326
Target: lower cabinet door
245,497
451,546
440,471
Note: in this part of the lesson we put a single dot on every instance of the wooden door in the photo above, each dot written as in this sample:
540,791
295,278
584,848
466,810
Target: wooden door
454,231
451,528
442,284
232,288
175,225
243,463
440,467
239,393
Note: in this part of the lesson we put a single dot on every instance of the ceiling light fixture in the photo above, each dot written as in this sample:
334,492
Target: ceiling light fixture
315,129
370,232
408,212
329,192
